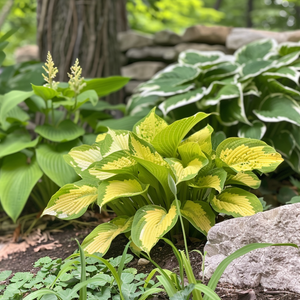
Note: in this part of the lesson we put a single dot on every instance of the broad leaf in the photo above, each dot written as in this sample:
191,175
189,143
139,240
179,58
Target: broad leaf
254,68
236,202
284,72
220,71
44,92
99,240
150,223
85,96
137,104
125,123
64,132
242,154
72,200
256,131
17,179
288,47
284,142
246,178
275,87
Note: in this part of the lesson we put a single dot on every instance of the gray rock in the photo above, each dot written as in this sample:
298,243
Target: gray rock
272,267
142,70
155,53
205,34
167,37
200,47
27,53
131,39
293,36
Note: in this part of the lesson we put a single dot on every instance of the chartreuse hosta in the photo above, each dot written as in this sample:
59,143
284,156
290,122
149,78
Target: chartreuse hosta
128,171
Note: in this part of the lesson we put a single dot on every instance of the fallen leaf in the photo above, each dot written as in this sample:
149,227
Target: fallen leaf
50,246
247,295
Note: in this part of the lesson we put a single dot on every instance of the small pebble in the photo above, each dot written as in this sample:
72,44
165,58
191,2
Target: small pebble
143,262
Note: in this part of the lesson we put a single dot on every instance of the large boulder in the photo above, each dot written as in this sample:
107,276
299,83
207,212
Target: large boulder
167,37
131,39
206,34
271,267
200,47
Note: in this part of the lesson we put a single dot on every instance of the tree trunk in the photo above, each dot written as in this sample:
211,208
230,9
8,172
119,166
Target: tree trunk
83,29
217,4
248,13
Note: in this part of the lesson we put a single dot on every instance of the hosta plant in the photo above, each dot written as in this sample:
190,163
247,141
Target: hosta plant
255,93
39,126
129,172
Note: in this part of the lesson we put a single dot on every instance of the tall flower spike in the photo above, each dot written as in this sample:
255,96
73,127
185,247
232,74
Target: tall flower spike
51,71
76,81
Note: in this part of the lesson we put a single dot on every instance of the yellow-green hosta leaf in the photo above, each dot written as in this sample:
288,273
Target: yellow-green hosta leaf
100,137
167,140
150,223
190,151
243,154
72,200
99,240
213,179
247,178
119,186
148,127
199,214
237,203
116,163
203,138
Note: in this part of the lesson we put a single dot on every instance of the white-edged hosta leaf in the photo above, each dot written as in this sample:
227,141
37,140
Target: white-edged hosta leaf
220,71
51,160
199,214
202,58
99,240
243,154
17,179
162,89
256,67
256,131
203,138
181,100
119,162
275,86
149,126
288,47
286,60
284,142
246,178
236,202
72,200
150,223
260,49
167,141
284,72
214,179
15,142
120,186
137,103
64,132
278,108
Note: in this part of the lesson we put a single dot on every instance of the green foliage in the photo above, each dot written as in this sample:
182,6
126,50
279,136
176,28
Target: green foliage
138,173
40,125
254,93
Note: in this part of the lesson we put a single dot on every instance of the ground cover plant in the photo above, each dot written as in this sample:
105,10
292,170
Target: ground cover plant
52,119
254,92
128,171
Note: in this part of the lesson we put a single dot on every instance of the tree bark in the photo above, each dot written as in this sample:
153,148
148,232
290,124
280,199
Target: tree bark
217,4
248,14
83,29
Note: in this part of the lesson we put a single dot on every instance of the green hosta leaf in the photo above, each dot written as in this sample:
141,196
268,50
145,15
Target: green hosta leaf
72,200
242,154
284,72
220,71
17,114
260,49
294,161
64,132
217,138
85,96
202,58
213,179
203,138
44,92
288,47
181,100
199,214
296,135
256,131
236,202
10,101
275,86
137,104
148,127
254,68
284,142
167,141
51,160
277,108
15,142
119,162
105,86
2,57
125,123
100,238
150,223
246,178
119,186
17,179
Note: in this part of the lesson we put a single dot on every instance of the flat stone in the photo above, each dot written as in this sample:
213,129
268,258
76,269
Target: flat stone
27,53
293,36
167,37
271,267
200,47
142,70
206,34
131,39
166,54
131,86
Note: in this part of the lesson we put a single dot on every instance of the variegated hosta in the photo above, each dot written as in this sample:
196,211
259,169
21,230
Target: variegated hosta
130,171
253,89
